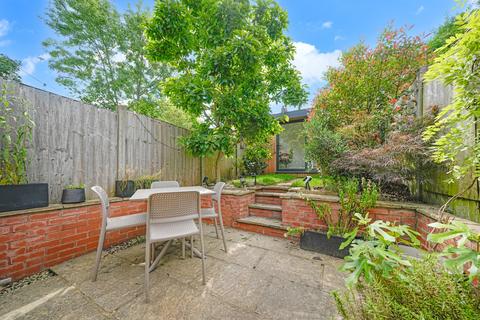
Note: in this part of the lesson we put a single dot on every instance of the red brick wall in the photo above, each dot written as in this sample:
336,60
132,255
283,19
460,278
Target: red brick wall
235,207
30,243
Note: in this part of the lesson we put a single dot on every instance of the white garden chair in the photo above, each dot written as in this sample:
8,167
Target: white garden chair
109,224
164,184
171,216
211,213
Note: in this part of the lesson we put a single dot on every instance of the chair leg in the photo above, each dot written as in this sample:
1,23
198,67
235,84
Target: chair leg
216,227
203,257
183,248
147,272
222,231
191,246
101,241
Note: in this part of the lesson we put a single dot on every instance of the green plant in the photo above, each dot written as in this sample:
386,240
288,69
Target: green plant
99,55
294,231
75,186
455,132
377,254
253,159
146,180
9,68
232,60
459,257
425,290
355,199
16,127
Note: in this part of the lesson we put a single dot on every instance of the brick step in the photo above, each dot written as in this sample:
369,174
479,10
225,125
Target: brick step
275,189
267,226
265,210
268,197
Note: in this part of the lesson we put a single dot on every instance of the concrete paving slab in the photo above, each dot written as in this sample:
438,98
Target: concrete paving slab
260,278
290,300
52,298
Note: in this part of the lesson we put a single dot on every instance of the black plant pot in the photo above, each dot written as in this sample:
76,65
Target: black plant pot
124,189
23,196
73,195
318,242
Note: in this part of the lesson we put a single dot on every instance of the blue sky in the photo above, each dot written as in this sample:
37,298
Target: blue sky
321,29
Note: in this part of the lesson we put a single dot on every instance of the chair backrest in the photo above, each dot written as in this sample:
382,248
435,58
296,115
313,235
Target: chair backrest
164,184
103,200
218,188
174,206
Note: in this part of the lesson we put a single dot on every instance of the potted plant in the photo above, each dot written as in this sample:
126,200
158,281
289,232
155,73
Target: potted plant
74,194
125,187
355,199
16,128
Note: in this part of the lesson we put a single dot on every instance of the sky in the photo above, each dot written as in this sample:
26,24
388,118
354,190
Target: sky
320,30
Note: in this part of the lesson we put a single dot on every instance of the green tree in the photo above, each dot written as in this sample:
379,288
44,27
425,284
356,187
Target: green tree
443,33
232,60
99,55
9,68
455,132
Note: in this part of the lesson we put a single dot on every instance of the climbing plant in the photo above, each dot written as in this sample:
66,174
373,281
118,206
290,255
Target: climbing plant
455,132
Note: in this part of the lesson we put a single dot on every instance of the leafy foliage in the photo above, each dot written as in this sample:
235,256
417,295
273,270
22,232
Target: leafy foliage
457,64
9,68
425,290
447,30
355,199
354,128
99,54
378,253
459,256
232,60
16,128
253,159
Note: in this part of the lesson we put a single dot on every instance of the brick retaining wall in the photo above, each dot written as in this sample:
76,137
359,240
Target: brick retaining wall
34,240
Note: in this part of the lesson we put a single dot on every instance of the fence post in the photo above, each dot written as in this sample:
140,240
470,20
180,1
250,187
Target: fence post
121,140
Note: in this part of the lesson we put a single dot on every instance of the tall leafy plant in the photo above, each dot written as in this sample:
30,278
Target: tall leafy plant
233,60
454,134
16,127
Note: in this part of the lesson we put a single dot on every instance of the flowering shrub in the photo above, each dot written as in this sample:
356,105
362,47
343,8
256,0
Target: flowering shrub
363,122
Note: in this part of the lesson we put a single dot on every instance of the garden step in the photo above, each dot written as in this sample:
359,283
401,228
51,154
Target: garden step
267,226
276,189
268,197
265,210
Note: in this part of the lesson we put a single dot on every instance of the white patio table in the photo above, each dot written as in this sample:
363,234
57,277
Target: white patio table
143,194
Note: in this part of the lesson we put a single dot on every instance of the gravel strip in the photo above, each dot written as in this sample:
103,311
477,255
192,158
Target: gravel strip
26,281
125,245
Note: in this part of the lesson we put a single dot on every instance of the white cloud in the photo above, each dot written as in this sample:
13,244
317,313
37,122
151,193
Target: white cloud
29,63
312,64
419,10
327,25
4,27
338,38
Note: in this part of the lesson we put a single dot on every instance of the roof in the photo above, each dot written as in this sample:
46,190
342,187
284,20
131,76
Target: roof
295,114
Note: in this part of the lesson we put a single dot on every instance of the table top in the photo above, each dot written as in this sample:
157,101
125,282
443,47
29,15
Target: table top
143,194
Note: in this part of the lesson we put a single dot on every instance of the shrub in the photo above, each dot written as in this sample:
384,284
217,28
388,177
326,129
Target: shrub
254,159
426,290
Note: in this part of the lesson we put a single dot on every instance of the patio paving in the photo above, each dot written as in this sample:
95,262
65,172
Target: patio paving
260,278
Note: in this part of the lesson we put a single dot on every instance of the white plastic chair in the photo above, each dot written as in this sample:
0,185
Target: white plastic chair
164,184
115,223
171,216
211,213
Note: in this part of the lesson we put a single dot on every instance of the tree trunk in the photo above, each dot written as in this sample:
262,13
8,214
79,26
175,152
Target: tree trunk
217,167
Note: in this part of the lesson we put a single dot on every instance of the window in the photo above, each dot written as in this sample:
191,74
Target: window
291,148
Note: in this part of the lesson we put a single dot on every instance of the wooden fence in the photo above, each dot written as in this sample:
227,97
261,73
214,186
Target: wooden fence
437,191
74,142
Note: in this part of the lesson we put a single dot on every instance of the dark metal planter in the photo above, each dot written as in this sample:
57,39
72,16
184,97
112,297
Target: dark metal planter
73,195
124,189
318,242
23,196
